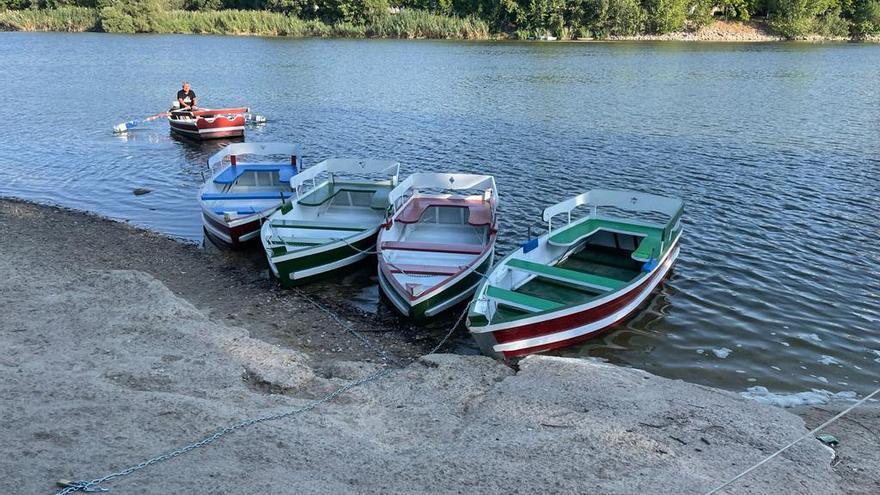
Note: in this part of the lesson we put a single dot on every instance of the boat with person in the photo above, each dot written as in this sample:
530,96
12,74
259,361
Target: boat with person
249,182
205,123
331,221
575,281
439,243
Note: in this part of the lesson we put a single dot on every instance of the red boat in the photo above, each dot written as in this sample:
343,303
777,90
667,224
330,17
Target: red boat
204,123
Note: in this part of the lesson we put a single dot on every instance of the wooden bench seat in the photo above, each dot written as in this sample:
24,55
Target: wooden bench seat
319,225
479,211
523,302
604,284
423,269
648,247
242,196
328,191
233,173
456,248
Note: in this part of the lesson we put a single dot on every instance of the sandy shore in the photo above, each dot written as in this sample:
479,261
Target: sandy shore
119,345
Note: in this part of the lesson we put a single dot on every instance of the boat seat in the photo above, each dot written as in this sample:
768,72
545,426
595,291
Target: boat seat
569,276
648,247
245,196
520,301
479,211
221,211
328,191
232,173
319,225
380,199
424,269
456,248
307,241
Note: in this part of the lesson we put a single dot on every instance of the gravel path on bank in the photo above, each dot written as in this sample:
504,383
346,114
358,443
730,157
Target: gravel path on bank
105,365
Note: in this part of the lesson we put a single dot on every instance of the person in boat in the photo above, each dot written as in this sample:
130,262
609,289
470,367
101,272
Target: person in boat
186,98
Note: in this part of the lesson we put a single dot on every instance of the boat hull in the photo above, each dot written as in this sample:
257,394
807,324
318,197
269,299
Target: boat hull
237,232
571,325
300,267
202,128
435,302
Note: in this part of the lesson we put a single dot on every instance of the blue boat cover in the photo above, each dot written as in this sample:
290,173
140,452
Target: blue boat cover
231,174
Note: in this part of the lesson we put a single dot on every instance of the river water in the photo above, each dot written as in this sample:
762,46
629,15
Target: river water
775,149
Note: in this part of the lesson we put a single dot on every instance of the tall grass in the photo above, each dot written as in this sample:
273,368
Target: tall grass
69,19
422,24
406,24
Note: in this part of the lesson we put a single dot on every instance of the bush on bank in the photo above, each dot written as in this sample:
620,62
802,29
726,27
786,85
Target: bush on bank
148,17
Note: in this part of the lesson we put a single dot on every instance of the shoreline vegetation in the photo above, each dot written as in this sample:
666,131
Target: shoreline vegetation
582,20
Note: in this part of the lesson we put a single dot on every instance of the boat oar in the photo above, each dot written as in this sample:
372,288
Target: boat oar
125,126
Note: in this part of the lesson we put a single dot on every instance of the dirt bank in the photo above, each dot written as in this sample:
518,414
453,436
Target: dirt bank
717,31
105,366
229,286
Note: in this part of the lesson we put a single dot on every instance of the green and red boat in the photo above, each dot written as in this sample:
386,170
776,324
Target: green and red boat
574,282
332,220
439,243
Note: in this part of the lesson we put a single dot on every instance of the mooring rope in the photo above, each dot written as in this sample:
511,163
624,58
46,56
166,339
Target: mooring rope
94,485
783,449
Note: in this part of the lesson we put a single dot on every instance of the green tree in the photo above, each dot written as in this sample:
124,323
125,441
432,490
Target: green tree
796,18
665,16
865,18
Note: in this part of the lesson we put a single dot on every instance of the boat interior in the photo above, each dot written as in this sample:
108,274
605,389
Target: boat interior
435,238
595,266
332,211
248,188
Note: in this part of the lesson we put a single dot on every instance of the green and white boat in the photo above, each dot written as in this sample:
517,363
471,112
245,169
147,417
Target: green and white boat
332,220
579,279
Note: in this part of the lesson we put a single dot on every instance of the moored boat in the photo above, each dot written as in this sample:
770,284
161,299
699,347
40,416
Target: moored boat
439,243
242,193
573,282
332,220
205,123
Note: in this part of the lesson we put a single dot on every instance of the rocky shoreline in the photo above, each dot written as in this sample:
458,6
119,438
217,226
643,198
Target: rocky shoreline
121,344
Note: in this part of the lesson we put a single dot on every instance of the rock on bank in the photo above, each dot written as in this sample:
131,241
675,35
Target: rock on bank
102,370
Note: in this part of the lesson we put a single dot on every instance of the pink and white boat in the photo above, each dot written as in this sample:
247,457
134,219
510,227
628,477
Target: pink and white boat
439,243
578,280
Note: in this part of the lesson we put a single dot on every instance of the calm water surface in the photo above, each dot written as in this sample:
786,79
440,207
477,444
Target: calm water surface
775,149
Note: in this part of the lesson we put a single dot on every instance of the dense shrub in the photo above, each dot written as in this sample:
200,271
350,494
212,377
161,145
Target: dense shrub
865,16
665,16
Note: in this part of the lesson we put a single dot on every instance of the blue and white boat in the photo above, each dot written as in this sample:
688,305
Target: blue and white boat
249,182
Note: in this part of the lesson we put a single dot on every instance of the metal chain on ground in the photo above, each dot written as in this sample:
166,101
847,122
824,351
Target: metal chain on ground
783,449
94,485
347,326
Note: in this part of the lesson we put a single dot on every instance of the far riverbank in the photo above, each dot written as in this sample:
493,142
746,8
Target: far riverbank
410,24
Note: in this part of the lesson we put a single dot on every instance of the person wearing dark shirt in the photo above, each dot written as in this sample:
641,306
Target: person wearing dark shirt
186,97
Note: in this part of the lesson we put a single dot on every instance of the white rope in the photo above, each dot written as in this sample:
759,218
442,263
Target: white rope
783,449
